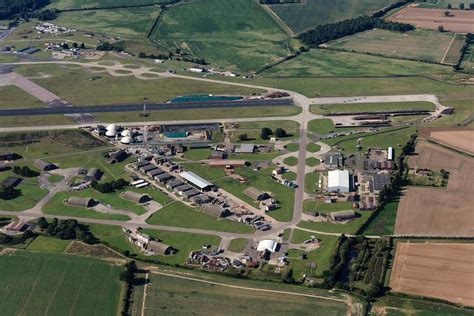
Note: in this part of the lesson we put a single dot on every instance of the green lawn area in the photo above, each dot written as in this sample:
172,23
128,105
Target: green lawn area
261,180
313,147
311,182
350,227
285,124
320,256
55,178
81,4
325,62
236,35
372,107
35,120
321,126
292,147
460,117
237,244
384,222
290,176
48,244
197,154
58,284
189,296
13,97
31,194
75,85
420,44
312,162
290,161
254,130
311,206
178,214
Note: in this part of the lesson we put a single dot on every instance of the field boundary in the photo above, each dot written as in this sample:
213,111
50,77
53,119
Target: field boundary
278,20
447,49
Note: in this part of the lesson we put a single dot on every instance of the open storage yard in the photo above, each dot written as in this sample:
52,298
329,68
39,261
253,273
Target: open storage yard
459,21
419,44
439,270
438,212
55,284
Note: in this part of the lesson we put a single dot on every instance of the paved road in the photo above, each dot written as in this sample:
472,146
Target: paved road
150,107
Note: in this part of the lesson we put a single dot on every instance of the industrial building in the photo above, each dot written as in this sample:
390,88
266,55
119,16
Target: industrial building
338,181
334,161
216,211
8,156
196,181
4,167
135,197
164,178
245,149
93,174
380,180
141,164
11,182
117,157
256,194
189,194
43,165
342,215
82,202
173,184
267,245
201,199
159,248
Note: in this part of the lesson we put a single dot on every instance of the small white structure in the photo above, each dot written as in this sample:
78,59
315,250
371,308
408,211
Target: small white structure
126,140
196,69
338,181
267,245
390,153
126,133
111,130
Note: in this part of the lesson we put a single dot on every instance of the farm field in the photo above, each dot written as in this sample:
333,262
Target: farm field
235,35
438,212
48,244
13,97
439,270
311,13
419,44
458,21
468,59
442,3
30,195
185,296
462,140
325,62
81,4
128,22
453,55
76,86
57,284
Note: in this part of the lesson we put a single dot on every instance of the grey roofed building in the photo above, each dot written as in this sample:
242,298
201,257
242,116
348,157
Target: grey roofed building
380,180
155,172
8,155
173,184
256,194
195,180
201,199
4,167
11,182
334,161
216,211
342,215
246,149
78,201
147,168
198,146
93,174
164,177
118,157
43,165
182,188
142,163
159,248
138,198
217,154
190,193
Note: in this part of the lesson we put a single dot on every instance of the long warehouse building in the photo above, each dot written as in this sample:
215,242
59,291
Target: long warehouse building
197,181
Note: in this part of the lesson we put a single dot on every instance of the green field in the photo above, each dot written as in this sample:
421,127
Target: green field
290,161
236,34
13,97
371,107
320,126
462,115
384,222
330,63
57,284
31,194
178,214
80,4
312,162
185,296
311,182
254,129
75,85
313,148
237,244
48,244
419,45
300,17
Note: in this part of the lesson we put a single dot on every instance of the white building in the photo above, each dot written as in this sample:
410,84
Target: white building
338,181
267,245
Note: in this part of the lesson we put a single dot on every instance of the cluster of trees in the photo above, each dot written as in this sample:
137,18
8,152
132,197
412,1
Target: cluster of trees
67,229
109,187
8,192
15,240
47,15
380,13
10,8
25,171
74,45
117,47
325,33
153,56
266,133
469,41
128,276
338,261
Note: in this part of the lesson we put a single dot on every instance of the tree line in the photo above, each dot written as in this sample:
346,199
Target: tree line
109,187
67,229
10,8
328,32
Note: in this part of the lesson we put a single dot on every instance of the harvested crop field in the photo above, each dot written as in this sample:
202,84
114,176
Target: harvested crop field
438,212
459,21
439,270
462,140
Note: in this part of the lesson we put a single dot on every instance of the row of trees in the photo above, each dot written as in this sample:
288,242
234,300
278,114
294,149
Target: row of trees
67,229
128,277
462,6
109,187
266,133
325,33
25,171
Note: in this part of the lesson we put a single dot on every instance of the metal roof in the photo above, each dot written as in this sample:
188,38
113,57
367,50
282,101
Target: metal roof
338,178
268,244
195,180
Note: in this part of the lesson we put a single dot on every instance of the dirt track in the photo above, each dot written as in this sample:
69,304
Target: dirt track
439,270
459,21
437,211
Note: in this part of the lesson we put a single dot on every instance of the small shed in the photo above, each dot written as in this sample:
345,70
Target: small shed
93,174
135,197
342,215
82,202
44,165
216,211
256,194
